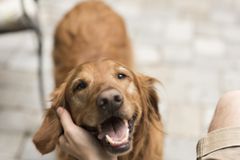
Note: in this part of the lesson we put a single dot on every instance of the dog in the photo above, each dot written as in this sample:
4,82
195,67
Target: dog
96,84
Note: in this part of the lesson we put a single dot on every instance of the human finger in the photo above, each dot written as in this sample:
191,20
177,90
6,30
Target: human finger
65,118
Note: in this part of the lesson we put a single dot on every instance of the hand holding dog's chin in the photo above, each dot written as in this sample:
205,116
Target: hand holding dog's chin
78,142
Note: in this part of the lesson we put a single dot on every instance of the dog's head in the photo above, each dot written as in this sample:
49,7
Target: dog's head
107,99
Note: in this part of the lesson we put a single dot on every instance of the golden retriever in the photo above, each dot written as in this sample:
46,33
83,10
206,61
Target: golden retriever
95,83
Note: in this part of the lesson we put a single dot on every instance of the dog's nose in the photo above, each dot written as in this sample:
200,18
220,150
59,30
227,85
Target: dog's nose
110,100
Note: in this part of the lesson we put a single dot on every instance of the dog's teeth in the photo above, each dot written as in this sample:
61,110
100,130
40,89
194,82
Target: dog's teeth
126,123
111,141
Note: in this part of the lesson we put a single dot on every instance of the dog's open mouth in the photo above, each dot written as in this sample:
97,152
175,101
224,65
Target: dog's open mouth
115,134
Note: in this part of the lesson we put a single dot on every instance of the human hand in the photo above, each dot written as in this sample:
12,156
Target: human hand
77,142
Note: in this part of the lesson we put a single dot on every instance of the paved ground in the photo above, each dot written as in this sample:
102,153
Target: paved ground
192,46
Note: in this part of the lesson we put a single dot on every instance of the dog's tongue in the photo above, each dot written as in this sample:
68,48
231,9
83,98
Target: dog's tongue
115,128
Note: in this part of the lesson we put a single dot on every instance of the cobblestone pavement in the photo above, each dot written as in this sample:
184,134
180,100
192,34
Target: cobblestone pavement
192,46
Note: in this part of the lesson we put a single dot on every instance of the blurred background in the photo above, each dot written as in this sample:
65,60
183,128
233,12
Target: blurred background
192,46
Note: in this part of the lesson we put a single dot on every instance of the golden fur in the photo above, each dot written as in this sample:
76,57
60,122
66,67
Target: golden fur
87,35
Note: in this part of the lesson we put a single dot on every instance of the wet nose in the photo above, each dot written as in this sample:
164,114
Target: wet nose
110,100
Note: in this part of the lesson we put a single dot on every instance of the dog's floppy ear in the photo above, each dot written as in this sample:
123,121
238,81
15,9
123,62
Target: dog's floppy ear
46,138
148,91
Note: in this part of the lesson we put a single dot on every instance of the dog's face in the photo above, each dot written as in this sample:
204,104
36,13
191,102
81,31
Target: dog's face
107,99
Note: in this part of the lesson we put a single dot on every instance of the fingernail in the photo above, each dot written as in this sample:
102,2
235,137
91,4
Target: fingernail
59,110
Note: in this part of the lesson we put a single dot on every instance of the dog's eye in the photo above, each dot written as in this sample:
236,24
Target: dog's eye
121,76
81,85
